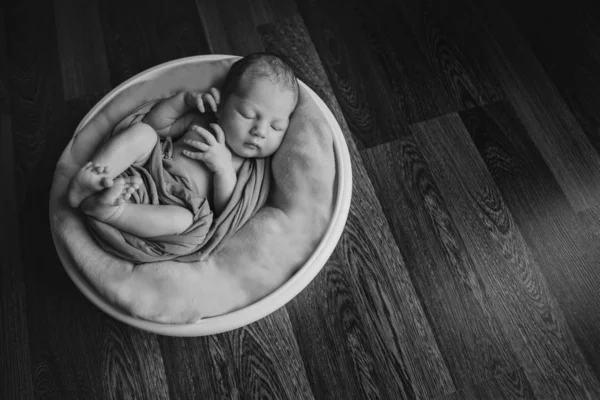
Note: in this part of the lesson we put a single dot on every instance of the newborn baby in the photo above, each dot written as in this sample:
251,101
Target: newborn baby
250,116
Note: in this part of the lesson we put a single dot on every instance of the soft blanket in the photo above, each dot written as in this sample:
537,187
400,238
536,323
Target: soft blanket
254,261
165,183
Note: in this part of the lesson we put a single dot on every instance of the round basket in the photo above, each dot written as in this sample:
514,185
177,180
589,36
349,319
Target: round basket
281,295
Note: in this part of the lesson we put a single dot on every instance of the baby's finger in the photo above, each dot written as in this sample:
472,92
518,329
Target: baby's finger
206,135
193,155
200,104
216,94
197,144
210,100
219,131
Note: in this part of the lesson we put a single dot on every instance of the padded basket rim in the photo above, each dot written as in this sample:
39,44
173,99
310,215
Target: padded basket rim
280,296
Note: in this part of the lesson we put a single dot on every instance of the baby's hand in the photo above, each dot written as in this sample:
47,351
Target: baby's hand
200,100
213,151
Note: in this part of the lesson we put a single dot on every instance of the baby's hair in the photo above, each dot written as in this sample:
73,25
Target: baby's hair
261,65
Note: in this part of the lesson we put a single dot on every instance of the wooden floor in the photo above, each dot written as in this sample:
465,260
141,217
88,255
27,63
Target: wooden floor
470,264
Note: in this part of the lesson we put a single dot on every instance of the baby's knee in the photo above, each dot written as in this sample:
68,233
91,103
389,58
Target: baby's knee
182,220
142,134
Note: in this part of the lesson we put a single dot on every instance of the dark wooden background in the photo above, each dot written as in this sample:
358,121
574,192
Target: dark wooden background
469,266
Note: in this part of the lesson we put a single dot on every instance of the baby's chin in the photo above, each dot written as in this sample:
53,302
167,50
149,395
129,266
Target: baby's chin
246,152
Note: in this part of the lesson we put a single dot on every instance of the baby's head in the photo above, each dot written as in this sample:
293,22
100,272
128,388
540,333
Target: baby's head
258,97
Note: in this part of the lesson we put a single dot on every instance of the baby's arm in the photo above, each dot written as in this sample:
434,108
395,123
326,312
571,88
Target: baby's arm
172,117
163,116
217,157
224,183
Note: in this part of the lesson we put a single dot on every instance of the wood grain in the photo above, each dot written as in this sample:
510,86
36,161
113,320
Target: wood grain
450,40
545,115
141,34
15,362
530,316
131,363
358,80
564,246
394,64
461,313
81,48
326,316
4,92
566,41
374,297
76,351
226,32
34,82
512,385
260,360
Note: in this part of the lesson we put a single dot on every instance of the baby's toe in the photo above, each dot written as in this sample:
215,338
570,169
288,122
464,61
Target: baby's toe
133,180
119,182
106,182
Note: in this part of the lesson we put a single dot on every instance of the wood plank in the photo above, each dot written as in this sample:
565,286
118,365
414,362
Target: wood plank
546,116
460,312
337,341
34,85
140,34
15,361
81,48
449,40
260,360
566,41
530,316
289,39
358,79
76,351
225,31
565,246
391,66
509,386
359,325
4,95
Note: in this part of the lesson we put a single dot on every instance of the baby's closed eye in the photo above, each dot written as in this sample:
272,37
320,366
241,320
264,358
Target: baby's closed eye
247,115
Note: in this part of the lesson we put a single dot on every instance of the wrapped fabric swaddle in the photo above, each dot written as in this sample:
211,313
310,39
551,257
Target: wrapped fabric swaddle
165,183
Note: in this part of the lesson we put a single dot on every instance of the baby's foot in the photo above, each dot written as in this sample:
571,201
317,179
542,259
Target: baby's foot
90,179
107,204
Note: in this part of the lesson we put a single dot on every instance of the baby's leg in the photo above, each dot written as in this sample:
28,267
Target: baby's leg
143,220
133,145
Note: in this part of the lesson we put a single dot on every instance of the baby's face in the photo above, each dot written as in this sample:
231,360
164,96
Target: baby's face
255,118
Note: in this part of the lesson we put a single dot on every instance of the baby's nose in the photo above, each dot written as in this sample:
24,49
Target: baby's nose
259,129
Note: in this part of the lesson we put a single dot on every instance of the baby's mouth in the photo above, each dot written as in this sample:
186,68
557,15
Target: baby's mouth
252,145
